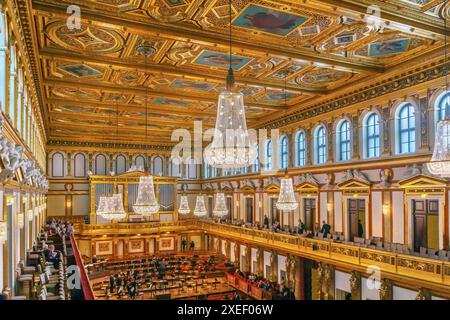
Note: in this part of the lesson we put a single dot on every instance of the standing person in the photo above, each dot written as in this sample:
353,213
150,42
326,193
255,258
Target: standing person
183,245
266,222
192,245
111,283
360,229
325,229
316,229
301,227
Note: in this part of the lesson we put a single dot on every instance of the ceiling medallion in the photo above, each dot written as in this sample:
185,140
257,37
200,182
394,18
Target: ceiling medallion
146,50
231,147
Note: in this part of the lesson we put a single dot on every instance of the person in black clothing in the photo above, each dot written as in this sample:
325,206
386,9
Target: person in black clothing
266,222
118,281
325,229
360,229
183,245
111,283
236,296
301,227
192,245
135,274
132,290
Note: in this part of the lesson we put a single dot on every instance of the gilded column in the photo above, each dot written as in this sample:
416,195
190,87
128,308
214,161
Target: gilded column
237,254
386,127
273,267
217,245
423,294
424,127
227,249
69,164
260,262
355,126
248,258
355,285
90,162
386,289
299,279
309,150
330,142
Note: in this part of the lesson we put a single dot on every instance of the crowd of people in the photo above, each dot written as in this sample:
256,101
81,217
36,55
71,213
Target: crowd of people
60,227
124,281
276,289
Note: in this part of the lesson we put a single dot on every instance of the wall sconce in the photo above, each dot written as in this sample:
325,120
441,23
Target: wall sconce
355,195
3,231
69,204
30,215
20,220
423,195
386,209
330,206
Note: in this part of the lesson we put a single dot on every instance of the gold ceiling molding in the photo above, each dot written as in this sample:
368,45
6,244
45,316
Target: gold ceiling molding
320,47
426,74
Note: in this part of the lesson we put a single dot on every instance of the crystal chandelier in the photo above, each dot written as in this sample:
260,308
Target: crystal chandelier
220,207
286,199
146,203
200,208
231,146
184,205
103,204
115,210
439,164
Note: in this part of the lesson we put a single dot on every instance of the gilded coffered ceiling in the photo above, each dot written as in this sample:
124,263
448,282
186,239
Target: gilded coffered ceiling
93,76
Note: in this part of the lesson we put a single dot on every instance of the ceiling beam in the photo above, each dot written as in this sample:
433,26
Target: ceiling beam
176,71
143,91
173,31
397,16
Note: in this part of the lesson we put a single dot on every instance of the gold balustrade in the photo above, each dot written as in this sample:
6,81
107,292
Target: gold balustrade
425,269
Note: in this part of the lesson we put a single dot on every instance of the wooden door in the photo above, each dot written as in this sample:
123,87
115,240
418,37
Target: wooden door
249,209
419,211
274,212
230,208
356,213
309,210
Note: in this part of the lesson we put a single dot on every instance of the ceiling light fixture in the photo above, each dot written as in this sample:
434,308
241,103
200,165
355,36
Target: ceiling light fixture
184,204
286,199
200,208
146,203
230,147
220,207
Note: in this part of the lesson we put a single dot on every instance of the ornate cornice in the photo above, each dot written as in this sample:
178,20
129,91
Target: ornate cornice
21,9
392,84
58,143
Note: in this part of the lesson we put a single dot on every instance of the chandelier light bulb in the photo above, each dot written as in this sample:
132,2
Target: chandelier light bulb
220,207
286,199
184,205
200,208
146,203
440,161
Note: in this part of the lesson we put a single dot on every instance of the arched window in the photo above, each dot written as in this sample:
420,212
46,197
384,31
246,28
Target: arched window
443,102
256,164
100,165
283,152
175,167
58,165
139,162
206,166
12,83
158,166
269,155
121,164
300,146
343,141
213,172
79,165
406,129
192,169
320,145
372,135
244,170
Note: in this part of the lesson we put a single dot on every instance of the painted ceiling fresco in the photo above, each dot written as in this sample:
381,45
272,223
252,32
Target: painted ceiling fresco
284,54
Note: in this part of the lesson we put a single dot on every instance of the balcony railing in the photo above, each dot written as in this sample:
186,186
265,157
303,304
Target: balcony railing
427,269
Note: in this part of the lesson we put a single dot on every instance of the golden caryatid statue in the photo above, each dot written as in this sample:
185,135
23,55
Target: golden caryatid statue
423,294
355,285
386,289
